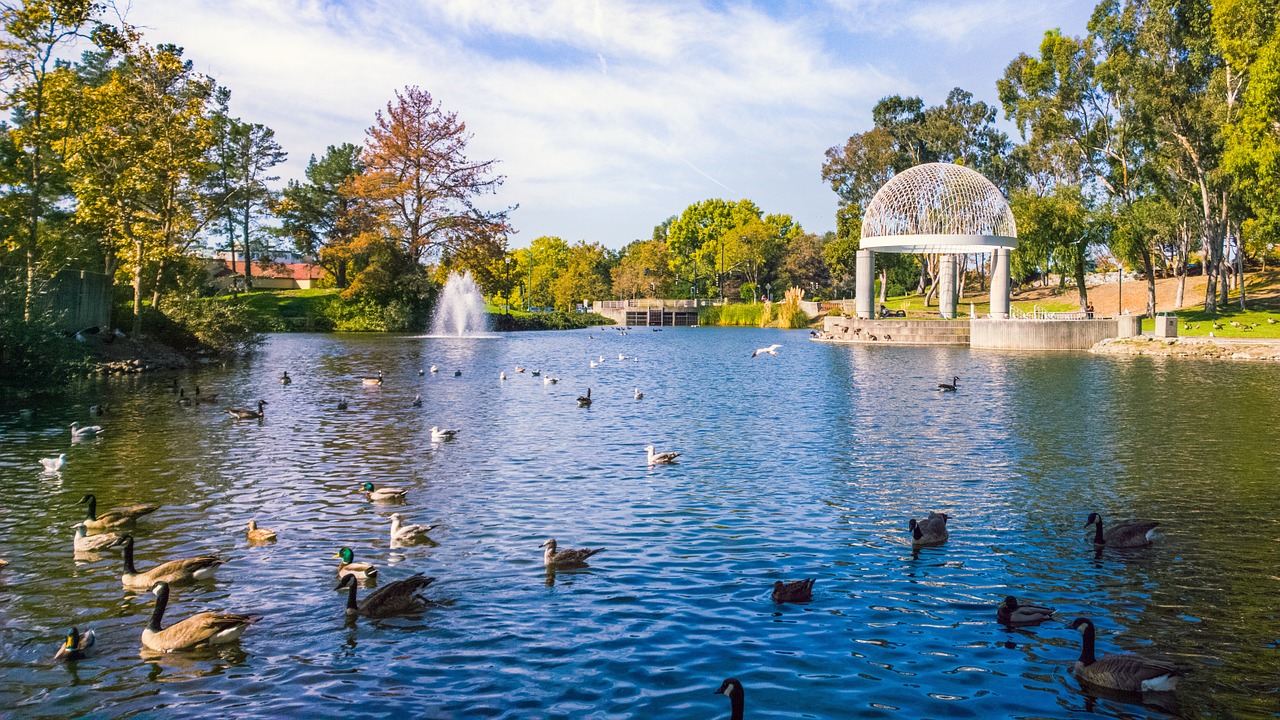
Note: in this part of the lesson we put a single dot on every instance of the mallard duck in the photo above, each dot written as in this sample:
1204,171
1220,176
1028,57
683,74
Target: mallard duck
442,434
1013,612
174,572
1124,672
348,566
949,387
402,534
657,458
565,559
245,413
284,378
198,631
372,379
53,465
1127,534
383,494
585,400
259,535
417,401
733,689
397,598
638,395
76,646
800,591
87,432
931,531
118,517
84,542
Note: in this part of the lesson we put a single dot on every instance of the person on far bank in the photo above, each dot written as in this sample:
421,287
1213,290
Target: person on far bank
1088,310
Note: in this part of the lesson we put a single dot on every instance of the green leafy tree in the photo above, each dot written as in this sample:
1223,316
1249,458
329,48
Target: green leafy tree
584,278
643,270
320,215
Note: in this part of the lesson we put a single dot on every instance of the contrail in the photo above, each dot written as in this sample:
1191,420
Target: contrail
671,149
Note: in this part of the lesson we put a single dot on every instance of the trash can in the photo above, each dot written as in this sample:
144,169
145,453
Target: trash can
1166,326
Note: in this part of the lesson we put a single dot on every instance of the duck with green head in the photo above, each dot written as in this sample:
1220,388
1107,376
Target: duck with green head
76,646
383,494
348,566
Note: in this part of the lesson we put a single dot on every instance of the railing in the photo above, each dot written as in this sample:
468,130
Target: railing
1039,313
651,303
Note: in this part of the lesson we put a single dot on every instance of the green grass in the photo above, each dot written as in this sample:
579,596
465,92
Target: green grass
915,307
286,310
736,315
1202,323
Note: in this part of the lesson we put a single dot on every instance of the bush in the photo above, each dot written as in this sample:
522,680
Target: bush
203,326
357,316
517,320
733,315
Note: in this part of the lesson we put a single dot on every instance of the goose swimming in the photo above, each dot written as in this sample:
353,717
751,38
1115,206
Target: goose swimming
800,591
443,434
1124,672
585,400
657,458
772,350
257,535
565,559
284,378
383,494
402,534
83,542
246,414
76,646
211,397
733,689
1013,612
198,631
87,432
372,379
117,517
174,572
348,566
930,531
53,465
342,403
951,386
1126,534
397,598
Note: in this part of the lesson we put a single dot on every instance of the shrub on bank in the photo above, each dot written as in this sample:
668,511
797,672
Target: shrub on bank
519,320
737,315
33,352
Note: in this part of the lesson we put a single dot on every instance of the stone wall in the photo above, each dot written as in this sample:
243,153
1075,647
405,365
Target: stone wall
894,331
1023,334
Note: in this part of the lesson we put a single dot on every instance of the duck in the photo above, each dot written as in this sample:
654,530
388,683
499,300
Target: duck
53,465
259,535
402,534
502,375
733,689
435,369
536,373
198,631
398,598
97,410
284,378
117,517
246,414
417,401
657,458
442,434
637,394
931,531
211,397
87,432
457,373
1013,612
342,403
565,559
519,369
550,380
183,400
1127,534
174,572
421,372
373,379
76,646
348,566
383,494
800,591
4,564
84,542
951,386
1125,672
585,400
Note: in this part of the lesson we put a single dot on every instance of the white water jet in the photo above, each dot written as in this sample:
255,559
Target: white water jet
460,308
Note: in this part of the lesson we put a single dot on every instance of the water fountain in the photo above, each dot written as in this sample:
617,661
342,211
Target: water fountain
460,308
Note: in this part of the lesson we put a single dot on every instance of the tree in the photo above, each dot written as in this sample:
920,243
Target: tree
585,276
694,238
803,264
242,156
1054,228
320,215
643,270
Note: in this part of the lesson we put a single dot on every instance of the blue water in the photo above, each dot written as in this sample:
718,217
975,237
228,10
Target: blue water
808,464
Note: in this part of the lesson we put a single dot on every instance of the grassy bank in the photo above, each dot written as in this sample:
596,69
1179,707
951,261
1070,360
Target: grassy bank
745,315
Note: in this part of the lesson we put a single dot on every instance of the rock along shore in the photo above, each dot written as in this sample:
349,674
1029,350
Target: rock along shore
1192,347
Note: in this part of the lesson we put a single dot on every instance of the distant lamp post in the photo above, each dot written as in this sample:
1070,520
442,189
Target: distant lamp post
768,288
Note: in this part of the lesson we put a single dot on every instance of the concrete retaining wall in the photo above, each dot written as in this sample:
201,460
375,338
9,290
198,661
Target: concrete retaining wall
895,332
1022,334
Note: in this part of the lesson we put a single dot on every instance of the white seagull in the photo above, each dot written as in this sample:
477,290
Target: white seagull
621,356
435,369
502,376
53,465
595,364
657,458
88,432
441,435
639,395
550,380
772,350
408,534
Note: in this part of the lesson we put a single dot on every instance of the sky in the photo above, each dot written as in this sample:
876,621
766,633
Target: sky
608,116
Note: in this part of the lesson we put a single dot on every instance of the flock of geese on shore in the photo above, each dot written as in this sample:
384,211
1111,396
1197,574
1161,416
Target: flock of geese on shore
1128,673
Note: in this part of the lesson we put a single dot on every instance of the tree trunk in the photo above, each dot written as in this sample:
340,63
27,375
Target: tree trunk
340,274
963,261
137,285
884,283
155,291
1149,266
248,254
1079,263
1240,264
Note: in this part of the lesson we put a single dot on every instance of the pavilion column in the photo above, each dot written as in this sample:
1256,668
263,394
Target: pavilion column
947,286
1000,285
865,284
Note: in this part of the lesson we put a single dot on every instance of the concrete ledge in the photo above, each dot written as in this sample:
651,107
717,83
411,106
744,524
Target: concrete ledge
1024,334
896,331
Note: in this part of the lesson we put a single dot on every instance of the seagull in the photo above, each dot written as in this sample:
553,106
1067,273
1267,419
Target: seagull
519,369
87,432
402,534
621,356
441,435
435,369
550,380
53,465
502,376
602,359
657,458
772,350
417,401
638,395
595,364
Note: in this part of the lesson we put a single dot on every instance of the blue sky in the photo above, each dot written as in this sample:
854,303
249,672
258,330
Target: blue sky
609,116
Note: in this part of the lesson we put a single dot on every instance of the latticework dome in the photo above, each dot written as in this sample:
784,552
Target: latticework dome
938,208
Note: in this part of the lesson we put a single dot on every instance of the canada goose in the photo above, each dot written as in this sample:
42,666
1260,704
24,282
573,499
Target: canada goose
284,378
87,432
373,379
930,531
259,535
402,534
772,350
1127,534
246,414
1124,672
97,410
84,542
53,465
211,397
565,559
457,373
657,458
442,434
348,566
1012,612
76,646
1216,325
174,572
585,400
1271,321
800,591
951,386
342,403
117,517
198,631
733,689
383,494
435,369
183,400
417,401
637,394
397,598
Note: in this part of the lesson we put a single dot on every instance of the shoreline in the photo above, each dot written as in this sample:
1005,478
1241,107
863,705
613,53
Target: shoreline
1192,347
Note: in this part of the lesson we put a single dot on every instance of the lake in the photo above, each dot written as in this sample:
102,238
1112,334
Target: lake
804,465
